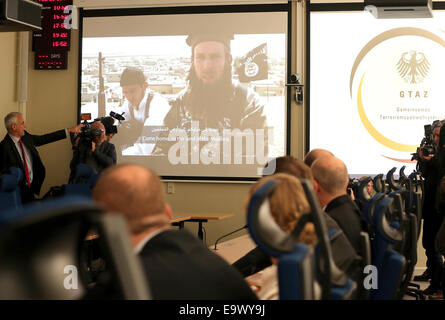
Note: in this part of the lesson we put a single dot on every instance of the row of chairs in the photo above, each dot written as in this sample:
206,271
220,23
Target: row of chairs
10,197
393,216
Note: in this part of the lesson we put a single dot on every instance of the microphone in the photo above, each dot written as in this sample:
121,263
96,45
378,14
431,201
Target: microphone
217,240
117,116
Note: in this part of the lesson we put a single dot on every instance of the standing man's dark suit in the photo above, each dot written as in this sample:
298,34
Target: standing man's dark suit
10,157
179,266
346,213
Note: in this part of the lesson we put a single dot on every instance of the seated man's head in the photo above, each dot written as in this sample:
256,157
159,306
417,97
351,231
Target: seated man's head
211,59
315,154
287,204
98,126
133,85
292,166
135,192
330,178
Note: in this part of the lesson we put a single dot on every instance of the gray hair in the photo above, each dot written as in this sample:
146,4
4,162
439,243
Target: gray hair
10,119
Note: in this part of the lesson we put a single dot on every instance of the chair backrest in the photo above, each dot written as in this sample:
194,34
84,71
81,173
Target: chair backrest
389,263
40,254
275,242
342,288
394,185
295,260
84,181
295,274
79,189
379,184
390,276
86,174
10,197
409,252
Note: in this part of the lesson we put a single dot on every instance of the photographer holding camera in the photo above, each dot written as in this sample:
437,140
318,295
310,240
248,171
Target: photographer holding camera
91,147
429,164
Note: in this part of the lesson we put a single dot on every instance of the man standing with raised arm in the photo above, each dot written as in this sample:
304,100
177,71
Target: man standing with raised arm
18,149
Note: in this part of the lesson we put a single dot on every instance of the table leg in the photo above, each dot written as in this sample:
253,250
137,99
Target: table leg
200,234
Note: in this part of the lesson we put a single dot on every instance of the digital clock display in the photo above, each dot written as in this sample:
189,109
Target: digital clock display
53,42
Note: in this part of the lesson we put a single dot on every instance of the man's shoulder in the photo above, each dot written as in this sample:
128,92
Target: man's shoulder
179,237
5,139
343,200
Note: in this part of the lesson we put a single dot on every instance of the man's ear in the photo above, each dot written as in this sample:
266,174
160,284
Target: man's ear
168,210
145,85
316,186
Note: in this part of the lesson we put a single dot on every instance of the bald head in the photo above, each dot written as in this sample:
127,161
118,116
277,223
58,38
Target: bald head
331,174
315,154
134,191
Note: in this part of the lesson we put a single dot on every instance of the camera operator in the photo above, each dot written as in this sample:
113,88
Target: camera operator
429,163
92,148
110,128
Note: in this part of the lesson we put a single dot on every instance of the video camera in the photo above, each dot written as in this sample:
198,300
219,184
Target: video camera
87,134
108,122
353,185
427,144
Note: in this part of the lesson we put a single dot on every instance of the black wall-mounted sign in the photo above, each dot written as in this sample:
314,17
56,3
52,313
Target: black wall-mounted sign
51,61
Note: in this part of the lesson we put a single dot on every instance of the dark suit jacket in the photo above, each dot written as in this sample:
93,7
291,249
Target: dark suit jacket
10,157
346,213
179,266
103,157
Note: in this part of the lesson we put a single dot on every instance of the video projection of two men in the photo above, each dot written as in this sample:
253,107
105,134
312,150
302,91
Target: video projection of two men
201,94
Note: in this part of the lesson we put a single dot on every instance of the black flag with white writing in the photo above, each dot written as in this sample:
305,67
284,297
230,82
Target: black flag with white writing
253,66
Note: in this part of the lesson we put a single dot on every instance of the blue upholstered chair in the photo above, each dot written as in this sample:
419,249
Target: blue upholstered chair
297,265
295,261
84,181
10,197
41,246
389,263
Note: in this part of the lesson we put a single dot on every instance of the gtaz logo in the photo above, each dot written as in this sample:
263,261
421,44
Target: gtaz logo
413,66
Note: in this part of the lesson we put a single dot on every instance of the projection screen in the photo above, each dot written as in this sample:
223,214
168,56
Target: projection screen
374,84
203,94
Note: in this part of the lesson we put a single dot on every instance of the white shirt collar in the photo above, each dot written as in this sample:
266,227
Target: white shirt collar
14,138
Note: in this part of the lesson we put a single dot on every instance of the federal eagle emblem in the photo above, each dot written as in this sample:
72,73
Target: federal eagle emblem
413,66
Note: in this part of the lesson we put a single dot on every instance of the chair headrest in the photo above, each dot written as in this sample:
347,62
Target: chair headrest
390,178
382,224
379,185
363,194
262,226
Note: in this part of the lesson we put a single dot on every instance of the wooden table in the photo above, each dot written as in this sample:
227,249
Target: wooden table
179,218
